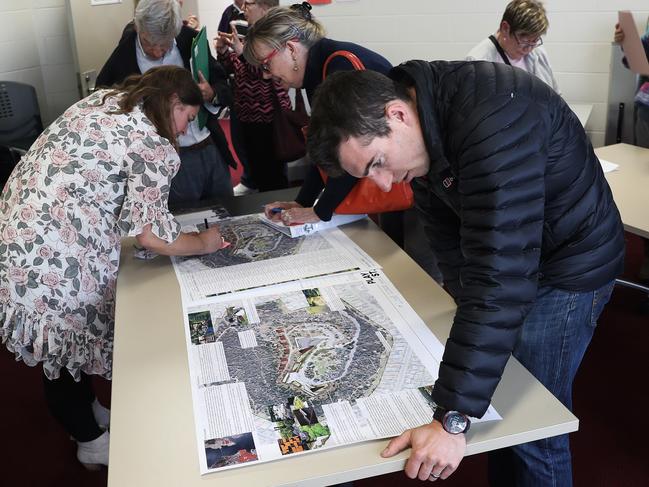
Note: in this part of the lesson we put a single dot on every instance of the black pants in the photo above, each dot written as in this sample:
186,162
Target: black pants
267,172
70,403
236,133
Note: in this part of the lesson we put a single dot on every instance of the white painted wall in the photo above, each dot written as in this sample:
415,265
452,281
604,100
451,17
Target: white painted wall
209,13
578,41
35,46
35,49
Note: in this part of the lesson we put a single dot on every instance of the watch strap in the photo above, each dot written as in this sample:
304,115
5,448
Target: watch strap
440,415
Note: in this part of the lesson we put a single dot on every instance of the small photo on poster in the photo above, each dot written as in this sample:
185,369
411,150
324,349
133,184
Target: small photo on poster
231,450
292,444
316,302
201,329
298,426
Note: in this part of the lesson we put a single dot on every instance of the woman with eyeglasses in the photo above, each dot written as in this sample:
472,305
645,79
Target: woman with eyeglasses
291,48
518,41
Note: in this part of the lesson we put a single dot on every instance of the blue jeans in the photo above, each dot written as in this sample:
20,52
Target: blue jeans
552,343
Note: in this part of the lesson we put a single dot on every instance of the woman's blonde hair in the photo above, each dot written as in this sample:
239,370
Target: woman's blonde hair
526,16
154,90
280,25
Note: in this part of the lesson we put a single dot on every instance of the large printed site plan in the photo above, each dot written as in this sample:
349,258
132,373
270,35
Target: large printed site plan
260,255
310,363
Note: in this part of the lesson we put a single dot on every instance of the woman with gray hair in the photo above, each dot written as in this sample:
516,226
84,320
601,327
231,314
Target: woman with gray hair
157,24
518,41
151,34
160,39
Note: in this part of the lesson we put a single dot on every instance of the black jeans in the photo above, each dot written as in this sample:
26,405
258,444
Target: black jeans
70,403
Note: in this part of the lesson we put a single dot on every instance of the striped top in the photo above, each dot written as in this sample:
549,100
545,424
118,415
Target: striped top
253,95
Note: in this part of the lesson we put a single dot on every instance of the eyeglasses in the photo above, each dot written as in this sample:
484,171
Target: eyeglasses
152,49
265,63
528,45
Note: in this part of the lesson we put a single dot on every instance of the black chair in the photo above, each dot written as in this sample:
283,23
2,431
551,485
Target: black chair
20,124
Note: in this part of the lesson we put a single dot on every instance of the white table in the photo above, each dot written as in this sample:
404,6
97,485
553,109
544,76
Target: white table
152,429
629,184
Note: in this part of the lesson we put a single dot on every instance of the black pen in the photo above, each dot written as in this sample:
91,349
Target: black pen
206,225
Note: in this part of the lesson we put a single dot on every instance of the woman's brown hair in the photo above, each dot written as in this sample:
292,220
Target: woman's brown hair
154,90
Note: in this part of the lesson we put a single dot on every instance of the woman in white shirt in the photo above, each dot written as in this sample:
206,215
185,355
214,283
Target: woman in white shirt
518,41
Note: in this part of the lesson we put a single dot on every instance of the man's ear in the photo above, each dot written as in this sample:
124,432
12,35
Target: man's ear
398,111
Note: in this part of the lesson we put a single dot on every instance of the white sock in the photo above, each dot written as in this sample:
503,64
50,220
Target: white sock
95,452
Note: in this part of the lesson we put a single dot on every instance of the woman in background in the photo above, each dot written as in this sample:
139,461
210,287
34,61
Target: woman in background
255,101
100,172
291,48
518,42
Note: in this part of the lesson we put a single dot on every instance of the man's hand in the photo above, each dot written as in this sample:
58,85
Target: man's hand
435,453
206,89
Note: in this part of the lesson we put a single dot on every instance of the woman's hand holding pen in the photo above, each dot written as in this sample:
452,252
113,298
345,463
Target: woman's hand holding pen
298,216
212,239
274,210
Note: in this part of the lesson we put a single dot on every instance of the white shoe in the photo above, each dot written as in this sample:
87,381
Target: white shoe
241,189
101,414
93,454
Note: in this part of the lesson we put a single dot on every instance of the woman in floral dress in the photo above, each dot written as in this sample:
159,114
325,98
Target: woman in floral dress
100,172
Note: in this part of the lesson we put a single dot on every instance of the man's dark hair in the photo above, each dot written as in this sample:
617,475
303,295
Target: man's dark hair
349,104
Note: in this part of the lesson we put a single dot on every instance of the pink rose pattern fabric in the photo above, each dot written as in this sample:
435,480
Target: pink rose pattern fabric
92,177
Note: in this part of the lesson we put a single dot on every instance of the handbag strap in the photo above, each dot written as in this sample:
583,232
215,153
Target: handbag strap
350,56
500,50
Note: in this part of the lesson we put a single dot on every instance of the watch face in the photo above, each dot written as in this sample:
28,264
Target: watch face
455,422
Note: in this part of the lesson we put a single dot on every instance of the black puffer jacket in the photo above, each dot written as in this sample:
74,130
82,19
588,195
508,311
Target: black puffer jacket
515,199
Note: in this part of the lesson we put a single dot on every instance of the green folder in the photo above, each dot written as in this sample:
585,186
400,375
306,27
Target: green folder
201,62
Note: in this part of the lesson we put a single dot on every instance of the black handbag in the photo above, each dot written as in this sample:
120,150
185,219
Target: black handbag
288,139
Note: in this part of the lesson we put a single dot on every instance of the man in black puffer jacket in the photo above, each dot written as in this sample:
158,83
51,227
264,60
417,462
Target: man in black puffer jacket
522,221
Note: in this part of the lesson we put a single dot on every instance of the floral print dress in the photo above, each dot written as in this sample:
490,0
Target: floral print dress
92,177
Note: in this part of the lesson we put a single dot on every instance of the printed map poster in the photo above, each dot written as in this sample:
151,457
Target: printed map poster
307,365
260,255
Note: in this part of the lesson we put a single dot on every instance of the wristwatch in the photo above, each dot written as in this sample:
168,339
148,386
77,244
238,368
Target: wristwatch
453,422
